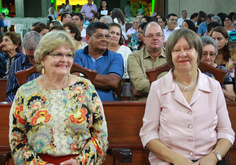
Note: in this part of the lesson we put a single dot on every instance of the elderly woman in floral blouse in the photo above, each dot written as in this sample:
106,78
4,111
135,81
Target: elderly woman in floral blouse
58,117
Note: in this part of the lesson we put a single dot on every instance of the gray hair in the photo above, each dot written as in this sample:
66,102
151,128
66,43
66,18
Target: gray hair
216,19
108,19
31,40
135,19
56,23
207,40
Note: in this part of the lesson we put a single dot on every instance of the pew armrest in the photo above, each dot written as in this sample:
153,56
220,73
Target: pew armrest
5,157
120,155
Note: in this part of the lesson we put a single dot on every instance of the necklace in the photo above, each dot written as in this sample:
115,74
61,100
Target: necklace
45,83
186,88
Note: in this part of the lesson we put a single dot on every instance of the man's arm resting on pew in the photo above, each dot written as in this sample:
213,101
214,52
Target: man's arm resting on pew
110,81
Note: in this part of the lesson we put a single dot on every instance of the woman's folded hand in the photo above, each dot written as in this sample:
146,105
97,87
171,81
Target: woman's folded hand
210,159
70,162
183,160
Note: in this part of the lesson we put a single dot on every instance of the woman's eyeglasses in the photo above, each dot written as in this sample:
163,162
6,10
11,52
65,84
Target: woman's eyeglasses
59,55
209,53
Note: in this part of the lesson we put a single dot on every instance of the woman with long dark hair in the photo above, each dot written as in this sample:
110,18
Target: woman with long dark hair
187,24
118,17
220,34
104,9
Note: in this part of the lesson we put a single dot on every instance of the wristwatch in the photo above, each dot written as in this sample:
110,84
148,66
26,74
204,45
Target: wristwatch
218,156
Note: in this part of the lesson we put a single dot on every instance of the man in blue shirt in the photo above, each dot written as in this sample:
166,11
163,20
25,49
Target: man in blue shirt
30,42
96,56
202,29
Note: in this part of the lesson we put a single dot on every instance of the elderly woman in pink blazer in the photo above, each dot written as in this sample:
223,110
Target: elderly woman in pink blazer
186,119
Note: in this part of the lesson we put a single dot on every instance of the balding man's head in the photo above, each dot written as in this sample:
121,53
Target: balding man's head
153,37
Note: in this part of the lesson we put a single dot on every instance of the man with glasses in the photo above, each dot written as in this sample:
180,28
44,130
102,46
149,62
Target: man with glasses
96,56
171,25
151,56
30,42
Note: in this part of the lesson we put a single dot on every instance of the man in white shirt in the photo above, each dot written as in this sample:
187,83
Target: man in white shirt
63,9
5,21
68,7
184,17
171,25
78,20
52,12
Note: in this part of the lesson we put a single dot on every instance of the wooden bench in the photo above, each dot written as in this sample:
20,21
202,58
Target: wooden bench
3,86
124,120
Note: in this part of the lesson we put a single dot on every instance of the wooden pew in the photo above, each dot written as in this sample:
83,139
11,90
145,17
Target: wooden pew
232,114
124,120
3,86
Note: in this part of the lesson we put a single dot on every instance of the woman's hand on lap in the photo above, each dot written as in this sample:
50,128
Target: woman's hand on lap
70,162
183,161
210,159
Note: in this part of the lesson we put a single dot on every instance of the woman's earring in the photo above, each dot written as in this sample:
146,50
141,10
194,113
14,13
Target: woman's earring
43,71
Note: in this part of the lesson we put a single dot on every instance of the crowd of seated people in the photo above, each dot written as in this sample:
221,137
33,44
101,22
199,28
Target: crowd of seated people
127,41
99,40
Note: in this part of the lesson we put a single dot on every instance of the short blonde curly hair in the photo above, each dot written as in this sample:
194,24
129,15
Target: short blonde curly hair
49,43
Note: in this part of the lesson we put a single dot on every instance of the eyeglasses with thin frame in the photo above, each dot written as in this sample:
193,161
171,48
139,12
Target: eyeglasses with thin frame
100,36
59,55
150,35
209,53
30,57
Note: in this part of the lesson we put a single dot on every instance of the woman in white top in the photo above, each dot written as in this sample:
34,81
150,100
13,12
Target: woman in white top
115,44
118,17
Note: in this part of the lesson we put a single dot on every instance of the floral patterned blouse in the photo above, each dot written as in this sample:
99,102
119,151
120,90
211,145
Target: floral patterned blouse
62,122
134,46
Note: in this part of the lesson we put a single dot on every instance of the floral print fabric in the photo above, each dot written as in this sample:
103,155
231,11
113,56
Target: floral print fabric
62,122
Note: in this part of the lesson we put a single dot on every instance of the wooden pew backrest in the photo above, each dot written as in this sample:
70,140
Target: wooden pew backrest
124,120
3,87
204,67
